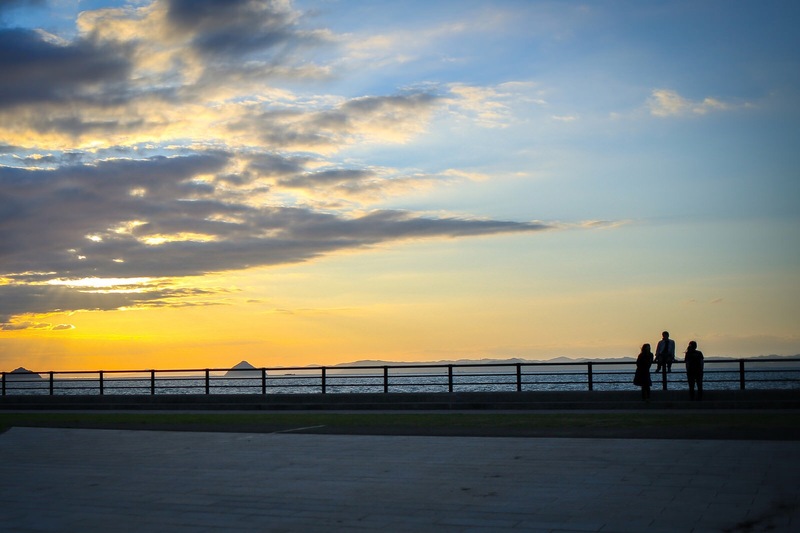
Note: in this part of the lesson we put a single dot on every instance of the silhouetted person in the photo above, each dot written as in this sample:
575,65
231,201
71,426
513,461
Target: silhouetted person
642,376
694,370
665,352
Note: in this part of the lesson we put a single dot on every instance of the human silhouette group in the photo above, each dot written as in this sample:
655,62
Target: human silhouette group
663,358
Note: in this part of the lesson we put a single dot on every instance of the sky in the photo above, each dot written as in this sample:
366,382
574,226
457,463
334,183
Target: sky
192,183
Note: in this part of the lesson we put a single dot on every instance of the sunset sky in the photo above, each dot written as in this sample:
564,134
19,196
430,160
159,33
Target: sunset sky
191,183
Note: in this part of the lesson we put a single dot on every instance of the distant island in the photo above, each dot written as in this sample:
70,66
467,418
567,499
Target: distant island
243,370
560,364
23,374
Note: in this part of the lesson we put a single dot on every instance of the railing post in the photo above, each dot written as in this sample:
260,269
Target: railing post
208,382
590,376
385,379
664,377
101,383
323,380
51,382
152,382
264,381
741,374
449,378
519,377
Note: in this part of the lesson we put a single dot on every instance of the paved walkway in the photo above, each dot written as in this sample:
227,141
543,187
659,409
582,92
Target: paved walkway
116,480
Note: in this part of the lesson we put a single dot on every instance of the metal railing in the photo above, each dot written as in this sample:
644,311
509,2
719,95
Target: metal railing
773,373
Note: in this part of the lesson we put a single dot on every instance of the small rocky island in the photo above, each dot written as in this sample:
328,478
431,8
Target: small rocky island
243,370
23,374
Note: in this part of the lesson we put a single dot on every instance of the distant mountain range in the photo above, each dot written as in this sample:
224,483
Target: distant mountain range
515,360
485,361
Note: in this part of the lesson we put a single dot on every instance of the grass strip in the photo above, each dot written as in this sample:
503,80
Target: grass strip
480,422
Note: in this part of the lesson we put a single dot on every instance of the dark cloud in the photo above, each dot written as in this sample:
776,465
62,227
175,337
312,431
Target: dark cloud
234,28
327,178
101,82
37,70
38,161
389,105
46,213
101,220
20,326
41,299
272,165
286,128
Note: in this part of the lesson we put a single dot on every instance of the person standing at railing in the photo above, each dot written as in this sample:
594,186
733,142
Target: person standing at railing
665,352
642,377
694,370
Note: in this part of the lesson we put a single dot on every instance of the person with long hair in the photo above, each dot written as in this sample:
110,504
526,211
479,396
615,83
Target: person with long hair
642,376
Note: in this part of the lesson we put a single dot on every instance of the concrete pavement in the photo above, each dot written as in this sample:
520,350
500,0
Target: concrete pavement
160,481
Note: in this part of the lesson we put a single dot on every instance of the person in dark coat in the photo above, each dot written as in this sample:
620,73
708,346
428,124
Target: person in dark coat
665,352
642,377
694,370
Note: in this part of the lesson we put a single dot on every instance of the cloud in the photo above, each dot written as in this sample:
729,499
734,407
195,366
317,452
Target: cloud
62,208
361,185
325,128
602,224
20,326
233,28
154,73
44,298
155,146
327,177
493,107
668,103
164,217
41,70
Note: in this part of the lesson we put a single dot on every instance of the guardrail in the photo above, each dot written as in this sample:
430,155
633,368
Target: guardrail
720,374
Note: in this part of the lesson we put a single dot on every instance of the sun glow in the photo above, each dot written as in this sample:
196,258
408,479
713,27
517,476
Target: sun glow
155,240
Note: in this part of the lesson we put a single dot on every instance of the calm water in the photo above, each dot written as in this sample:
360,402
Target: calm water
434,381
